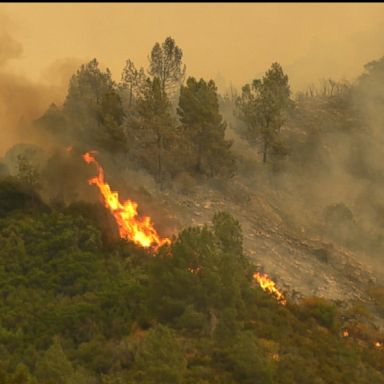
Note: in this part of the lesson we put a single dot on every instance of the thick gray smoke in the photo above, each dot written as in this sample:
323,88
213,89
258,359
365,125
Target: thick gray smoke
23,100
332,181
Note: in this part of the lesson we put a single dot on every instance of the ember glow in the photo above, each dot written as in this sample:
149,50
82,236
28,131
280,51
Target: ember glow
378,344
345,333
269,286
276,357
139,230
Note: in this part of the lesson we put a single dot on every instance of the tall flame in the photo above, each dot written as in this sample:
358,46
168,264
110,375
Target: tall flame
131,227
269,285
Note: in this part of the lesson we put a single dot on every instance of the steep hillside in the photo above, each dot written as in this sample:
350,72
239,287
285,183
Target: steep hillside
81,306
302,264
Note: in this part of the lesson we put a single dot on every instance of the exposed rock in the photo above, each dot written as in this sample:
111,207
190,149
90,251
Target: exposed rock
302,265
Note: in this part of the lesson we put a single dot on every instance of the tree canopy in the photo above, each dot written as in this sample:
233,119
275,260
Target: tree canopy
204,127
263,105
165,62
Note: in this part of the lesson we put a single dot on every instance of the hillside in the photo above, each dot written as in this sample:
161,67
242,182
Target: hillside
156,231
304,265
79,309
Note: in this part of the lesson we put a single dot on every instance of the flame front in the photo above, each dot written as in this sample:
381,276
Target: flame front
131,226
269,285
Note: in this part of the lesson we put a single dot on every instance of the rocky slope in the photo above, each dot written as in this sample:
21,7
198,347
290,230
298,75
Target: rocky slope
301,264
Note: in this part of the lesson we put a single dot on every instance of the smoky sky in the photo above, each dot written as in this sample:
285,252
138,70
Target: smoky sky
229,42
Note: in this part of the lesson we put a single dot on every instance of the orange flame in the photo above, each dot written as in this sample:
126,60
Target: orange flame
345,333
378,344
269,285
131,226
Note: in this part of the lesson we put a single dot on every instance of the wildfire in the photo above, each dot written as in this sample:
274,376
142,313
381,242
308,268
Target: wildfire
131,227
345,333
276,357
269,285
194,270
378,344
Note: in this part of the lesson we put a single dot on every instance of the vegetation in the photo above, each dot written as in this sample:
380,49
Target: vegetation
153,130
166,64
204,128
80,306
263,106
77,309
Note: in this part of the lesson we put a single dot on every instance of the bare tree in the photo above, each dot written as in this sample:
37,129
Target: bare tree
133,80
166,64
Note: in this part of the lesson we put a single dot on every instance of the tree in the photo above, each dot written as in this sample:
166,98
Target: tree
154,129
132,81
206,272
263,106
31,153
110,117
27,173
54,367
21,376
165,63
247,361
369,96
159,358
4,172
87,88
229,233
94,109
53,122
14,196
374,71
204,127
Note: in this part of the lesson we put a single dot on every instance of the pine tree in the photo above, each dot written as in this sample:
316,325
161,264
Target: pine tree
204,128
94,110
166,64
263,106
153,130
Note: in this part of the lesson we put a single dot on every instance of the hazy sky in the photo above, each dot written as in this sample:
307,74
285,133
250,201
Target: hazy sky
238,41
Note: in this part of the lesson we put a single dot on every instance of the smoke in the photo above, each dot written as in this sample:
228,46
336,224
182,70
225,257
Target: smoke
10,48
331,184
335,151
21,99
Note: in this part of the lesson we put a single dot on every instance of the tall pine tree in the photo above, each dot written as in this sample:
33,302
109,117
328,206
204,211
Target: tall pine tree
204,127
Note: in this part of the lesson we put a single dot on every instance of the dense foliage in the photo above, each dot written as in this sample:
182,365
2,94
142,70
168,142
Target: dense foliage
263,106
137,118
77,309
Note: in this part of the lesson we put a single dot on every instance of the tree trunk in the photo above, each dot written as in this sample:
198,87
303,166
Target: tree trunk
199,160
213,321
130,96
266,140
160,159
265,150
